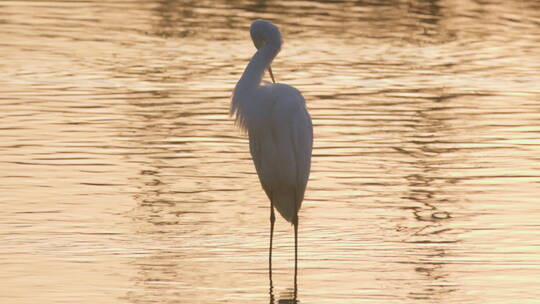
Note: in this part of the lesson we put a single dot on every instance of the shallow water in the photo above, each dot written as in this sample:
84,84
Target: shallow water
124,179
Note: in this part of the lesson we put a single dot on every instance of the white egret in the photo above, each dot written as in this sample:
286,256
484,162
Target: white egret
279,129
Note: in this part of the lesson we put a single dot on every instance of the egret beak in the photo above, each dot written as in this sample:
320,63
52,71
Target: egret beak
271,74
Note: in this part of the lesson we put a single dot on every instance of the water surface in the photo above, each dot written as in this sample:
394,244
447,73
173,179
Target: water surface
124,179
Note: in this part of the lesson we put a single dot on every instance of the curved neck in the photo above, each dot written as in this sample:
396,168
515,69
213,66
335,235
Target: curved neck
254,72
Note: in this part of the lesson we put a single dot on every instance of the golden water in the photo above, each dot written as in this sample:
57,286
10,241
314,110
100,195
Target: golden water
124,180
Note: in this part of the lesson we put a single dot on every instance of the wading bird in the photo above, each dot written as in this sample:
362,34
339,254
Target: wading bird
279,129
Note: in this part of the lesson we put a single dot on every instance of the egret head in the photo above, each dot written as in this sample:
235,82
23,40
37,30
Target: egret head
266,33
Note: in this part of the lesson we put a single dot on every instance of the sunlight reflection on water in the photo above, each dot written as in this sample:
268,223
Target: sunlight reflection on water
125,180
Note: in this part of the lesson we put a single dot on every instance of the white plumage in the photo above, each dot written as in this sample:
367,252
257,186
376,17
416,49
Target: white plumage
279,128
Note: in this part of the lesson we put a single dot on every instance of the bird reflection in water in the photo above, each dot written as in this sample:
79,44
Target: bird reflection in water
287,297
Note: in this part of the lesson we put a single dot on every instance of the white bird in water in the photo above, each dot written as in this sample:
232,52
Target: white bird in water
279,129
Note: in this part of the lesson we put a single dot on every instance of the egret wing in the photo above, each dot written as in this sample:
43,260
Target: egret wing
303,145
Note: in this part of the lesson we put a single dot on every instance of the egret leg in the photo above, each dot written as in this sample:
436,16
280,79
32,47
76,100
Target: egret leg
295,223
272,221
